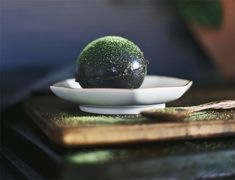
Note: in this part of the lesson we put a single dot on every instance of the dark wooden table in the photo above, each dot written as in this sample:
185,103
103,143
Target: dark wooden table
27,152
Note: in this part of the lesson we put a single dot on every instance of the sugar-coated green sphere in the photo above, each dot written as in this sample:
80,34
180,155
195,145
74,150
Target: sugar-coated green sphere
111,62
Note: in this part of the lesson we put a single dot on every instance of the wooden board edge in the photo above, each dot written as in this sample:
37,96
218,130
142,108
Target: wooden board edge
143,133
102,135
53,133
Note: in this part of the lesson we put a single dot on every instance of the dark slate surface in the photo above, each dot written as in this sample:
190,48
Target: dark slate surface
191,159
172,159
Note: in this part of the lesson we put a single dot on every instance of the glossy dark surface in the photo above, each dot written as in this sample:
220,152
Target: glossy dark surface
111,62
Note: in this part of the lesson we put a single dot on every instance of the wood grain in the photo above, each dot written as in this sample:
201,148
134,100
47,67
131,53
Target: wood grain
44,112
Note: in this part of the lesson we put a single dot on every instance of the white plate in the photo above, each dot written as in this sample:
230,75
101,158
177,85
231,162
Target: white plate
119,109
154,90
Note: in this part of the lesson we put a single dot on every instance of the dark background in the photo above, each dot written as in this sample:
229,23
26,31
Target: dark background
40,40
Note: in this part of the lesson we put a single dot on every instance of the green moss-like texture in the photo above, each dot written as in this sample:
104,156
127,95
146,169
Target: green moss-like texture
109,48
64,119
69,120
111,62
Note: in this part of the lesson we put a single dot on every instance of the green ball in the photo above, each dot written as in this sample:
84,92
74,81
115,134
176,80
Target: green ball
111,62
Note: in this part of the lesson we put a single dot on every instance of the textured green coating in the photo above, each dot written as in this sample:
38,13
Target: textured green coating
111,62
64,119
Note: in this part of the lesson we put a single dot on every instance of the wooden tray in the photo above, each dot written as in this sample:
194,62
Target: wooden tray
64,124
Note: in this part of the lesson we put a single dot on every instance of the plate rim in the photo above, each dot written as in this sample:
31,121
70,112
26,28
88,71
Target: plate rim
189,82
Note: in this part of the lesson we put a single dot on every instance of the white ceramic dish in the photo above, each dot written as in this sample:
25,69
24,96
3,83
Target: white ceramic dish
155,90
119,109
